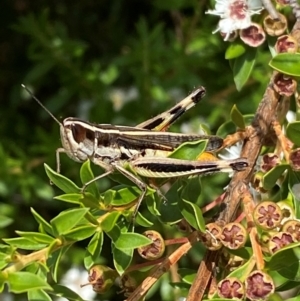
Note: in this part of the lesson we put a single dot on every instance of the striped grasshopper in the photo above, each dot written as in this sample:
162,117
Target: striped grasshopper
143,148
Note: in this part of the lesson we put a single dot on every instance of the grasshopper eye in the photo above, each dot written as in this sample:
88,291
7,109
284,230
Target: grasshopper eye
80,133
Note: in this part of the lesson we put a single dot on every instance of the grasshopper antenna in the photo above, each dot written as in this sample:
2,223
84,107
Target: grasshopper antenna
40,103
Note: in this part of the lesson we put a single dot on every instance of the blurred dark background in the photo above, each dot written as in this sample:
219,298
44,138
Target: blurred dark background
114,61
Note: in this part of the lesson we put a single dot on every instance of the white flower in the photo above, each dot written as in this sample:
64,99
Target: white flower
232,152
291,116
235,14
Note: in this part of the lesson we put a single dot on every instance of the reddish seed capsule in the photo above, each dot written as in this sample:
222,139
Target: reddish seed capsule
231,288
267,215
156,249
233,236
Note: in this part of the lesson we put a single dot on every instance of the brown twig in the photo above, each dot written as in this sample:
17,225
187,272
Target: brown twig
162,268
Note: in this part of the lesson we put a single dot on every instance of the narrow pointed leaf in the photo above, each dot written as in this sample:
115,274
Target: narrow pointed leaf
60,181
242,67
44,224
237,117
131,241
21,282
67,220
192,214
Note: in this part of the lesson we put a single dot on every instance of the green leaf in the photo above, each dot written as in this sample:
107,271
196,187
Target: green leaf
192,214
131,241
55,260
38,295
226,129
189,150
242,67
36,237
44,224
5,221
73,198
237,117
293,132
21,282
234,50
65,292
192,189
287,63
60,181
24,243
121,195
68,219
86,175
286,262
243,271
122,259
187,275
143,221
271,177
110,221
169,210
80,233
94,250
152,201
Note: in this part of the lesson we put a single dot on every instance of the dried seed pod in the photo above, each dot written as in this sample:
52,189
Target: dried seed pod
234,236
279,240
154,250
267,215
295,159
259,286
231,288
101,278
286,43
284,85
292,227
269,161
275,27
257,183
253,35
211,238
288,213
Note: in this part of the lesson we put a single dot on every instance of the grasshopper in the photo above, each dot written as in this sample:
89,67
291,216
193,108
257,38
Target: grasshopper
143,148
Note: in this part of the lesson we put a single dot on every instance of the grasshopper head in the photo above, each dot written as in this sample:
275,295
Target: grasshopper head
77,138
